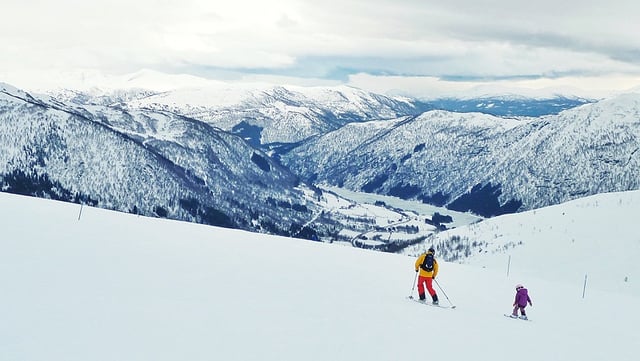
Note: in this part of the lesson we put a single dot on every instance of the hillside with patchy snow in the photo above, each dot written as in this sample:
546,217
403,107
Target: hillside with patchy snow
143,162
78,146
485,164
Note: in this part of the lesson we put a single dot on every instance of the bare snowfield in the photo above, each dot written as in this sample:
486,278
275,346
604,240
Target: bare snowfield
113,286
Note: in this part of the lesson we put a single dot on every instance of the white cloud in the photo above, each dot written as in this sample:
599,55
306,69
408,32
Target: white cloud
461,39
593,87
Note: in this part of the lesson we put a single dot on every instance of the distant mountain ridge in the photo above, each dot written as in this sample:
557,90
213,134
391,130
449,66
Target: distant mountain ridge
278,117
509,106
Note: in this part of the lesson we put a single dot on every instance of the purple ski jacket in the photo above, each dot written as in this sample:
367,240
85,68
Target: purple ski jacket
522,297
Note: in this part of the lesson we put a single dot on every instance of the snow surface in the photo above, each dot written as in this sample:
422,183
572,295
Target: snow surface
594,237
113,286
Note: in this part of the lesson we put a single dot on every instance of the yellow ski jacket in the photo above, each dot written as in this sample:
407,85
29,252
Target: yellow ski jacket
424,273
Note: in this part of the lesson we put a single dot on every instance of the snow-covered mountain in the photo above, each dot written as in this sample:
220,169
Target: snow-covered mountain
275,117
113,286
145,162
220,145
482,163
262,114
164,164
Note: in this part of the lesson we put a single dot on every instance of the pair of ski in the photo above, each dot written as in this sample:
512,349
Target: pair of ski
516,318
427,303
452,307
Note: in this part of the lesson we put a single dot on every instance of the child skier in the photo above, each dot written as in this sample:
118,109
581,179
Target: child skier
522,298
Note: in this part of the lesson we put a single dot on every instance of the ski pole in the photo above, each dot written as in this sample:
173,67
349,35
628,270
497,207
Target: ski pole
444,293
414,285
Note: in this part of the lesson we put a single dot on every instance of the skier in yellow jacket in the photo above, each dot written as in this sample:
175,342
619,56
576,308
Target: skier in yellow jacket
428,267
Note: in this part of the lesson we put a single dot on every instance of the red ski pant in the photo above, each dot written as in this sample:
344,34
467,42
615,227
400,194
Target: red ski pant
421,282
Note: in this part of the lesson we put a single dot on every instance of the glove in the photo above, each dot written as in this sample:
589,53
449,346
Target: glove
433,277
416,271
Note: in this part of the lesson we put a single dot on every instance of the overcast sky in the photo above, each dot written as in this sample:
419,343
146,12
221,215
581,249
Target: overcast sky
406,45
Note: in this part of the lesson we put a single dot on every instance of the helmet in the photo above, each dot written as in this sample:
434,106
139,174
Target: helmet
519,286
432,250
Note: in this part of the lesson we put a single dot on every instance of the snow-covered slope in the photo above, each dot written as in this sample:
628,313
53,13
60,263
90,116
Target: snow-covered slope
482,163
594,236
113,286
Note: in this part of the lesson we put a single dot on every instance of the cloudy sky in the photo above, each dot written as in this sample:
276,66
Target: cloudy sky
385,45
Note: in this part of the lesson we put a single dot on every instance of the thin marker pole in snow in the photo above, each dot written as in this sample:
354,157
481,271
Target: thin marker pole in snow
80,214
584,288
444,293
414,285
508,266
